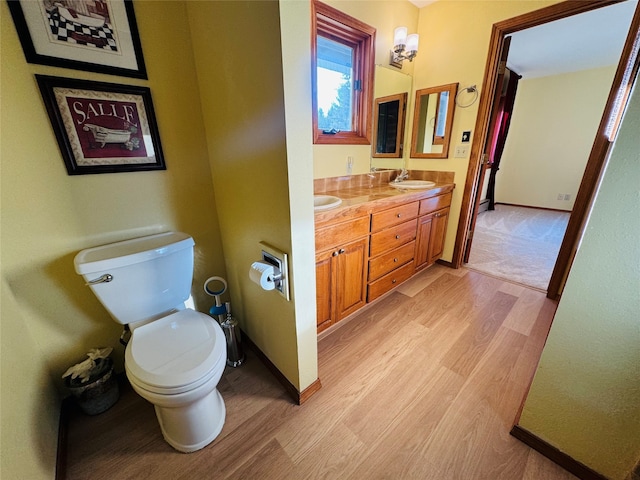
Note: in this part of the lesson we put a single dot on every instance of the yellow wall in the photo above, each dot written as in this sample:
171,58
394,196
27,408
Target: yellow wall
384,16
585,395
30,405
554,122
391,81
244,115
454,42
48,216
449,29
296,58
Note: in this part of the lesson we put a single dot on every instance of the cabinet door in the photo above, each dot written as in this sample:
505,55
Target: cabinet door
324,290
423,240
350,280
438,231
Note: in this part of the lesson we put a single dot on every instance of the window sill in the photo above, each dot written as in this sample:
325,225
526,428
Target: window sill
340,139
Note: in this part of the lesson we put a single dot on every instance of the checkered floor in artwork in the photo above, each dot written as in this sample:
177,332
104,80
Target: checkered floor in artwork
71,32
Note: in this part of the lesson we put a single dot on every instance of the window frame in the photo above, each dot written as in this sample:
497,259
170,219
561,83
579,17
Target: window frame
340,27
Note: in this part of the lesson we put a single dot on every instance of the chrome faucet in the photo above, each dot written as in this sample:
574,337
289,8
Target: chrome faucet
404,174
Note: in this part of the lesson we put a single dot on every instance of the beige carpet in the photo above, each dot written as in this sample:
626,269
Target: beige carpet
518,244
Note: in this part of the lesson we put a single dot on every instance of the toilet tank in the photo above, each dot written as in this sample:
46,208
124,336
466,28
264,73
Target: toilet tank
149,275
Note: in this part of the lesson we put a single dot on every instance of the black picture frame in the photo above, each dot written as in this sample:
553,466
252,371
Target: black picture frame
93,47
102,127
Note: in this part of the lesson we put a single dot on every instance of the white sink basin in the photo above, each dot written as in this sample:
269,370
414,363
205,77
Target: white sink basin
325,202
413,184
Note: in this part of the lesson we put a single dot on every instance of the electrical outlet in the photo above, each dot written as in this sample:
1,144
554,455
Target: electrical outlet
349,165
461,151
560,196
567,196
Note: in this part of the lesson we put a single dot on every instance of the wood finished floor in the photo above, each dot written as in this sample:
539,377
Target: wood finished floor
423,385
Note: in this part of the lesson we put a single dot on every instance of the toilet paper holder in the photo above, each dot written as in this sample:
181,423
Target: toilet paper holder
279,260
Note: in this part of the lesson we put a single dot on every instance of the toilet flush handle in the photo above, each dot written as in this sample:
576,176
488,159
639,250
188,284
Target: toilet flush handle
106,278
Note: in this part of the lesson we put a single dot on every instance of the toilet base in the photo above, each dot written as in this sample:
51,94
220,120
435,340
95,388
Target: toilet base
194,426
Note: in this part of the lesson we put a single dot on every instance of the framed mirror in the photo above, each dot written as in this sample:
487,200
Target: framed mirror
388,126
432,121
389,82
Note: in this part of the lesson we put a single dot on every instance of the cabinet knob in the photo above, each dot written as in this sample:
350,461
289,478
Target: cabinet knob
335,254
399,215
395,260
341,250
393,281
397,237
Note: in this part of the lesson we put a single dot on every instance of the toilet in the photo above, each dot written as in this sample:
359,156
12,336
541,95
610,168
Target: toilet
176,355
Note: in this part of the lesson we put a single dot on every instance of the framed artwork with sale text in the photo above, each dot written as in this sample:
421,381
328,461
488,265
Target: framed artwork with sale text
102,127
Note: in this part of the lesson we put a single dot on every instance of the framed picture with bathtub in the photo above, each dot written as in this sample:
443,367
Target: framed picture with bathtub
92,35
102,127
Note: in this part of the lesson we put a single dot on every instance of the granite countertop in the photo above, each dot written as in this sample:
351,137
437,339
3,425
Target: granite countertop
363,199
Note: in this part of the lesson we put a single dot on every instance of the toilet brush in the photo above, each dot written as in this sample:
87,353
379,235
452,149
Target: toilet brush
218,309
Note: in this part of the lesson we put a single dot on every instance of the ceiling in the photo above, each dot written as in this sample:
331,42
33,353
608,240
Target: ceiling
421,3
589,40
580,42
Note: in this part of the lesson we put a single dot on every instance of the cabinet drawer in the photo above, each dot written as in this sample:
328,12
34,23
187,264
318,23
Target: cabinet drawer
334,235
432,204
389,281
388,262
391,238
394,216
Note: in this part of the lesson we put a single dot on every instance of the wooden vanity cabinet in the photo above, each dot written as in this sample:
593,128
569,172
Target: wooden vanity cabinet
340,270
361,257
432,227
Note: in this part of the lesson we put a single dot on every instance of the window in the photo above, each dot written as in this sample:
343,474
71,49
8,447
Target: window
343,60
441,118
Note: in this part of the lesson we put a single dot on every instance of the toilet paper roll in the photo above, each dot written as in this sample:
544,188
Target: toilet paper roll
262,273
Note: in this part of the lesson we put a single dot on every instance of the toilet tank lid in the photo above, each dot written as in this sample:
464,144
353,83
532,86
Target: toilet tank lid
129,252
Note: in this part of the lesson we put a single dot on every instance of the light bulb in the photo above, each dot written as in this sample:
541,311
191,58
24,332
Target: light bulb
412,42
400,36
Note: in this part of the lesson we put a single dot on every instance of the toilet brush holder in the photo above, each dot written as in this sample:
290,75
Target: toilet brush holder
235,354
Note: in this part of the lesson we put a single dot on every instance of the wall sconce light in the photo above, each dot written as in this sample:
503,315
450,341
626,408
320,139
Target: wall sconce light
405,47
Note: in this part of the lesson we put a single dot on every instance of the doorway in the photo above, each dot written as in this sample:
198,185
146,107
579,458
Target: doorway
597,158
550,105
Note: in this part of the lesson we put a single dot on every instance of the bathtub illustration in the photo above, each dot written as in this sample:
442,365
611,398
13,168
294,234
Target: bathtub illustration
103,135
91,20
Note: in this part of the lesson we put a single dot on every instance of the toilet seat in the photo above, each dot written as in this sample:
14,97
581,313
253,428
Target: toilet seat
176,353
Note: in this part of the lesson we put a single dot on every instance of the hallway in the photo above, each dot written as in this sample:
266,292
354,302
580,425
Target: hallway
519,244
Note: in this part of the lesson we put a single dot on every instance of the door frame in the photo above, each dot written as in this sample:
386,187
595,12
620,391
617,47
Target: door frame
616,102
484,158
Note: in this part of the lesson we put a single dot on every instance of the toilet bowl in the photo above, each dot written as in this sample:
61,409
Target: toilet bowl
175,363
176,355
